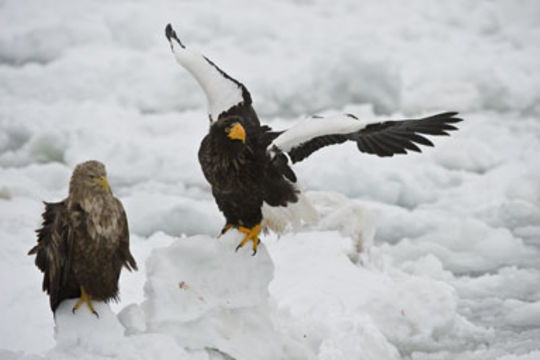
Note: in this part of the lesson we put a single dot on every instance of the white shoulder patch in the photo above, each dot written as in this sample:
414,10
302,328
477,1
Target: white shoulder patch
313,127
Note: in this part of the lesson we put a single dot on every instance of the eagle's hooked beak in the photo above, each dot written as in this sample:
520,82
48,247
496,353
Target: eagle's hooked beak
102,181
237,132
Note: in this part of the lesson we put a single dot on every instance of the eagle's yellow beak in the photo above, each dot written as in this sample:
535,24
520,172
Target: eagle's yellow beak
237,132
102,181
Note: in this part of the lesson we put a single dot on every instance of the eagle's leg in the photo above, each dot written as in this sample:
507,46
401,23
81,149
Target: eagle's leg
251,234
85,298
226,228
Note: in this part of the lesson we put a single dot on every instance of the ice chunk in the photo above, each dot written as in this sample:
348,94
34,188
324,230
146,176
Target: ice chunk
132,318
83,335
209,296
411,312
84,328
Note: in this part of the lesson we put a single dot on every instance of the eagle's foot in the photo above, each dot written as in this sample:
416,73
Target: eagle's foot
251,234
85,298
226,228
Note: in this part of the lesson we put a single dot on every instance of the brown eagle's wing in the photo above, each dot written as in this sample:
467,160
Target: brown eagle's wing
54,254
126,258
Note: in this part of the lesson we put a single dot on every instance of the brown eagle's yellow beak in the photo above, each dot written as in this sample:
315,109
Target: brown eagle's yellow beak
237,132
102,181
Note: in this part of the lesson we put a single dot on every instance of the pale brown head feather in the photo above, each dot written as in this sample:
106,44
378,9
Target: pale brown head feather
85,181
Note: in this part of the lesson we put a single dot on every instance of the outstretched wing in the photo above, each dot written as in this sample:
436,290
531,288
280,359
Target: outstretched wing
226,96
53,254
380,138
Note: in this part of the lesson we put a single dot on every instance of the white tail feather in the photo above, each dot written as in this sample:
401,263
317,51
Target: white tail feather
291,217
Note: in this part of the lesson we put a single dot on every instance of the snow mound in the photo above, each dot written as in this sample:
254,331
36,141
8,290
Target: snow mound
375,303
206,301
84,336
210,297
82,327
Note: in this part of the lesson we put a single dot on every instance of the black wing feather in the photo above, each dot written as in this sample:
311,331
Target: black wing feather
404,133
385,139
301,152
53,254
127,259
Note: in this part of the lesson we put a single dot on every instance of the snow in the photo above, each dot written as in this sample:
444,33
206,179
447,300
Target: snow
224,306
424,256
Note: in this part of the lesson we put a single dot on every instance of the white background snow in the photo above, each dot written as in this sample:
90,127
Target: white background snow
425,256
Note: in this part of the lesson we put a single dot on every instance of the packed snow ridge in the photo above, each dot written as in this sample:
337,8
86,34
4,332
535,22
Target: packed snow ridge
204,300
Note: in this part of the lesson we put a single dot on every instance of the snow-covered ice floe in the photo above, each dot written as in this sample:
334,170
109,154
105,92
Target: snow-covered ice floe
204,300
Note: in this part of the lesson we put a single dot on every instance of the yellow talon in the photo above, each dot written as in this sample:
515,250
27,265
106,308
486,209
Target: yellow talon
226,228
85,298
251,234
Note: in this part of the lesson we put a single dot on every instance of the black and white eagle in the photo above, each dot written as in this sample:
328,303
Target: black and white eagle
247,164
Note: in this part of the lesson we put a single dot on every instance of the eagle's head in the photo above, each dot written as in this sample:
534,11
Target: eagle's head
229,133
90,177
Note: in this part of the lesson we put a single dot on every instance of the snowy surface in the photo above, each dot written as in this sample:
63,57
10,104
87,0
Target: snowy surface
424,256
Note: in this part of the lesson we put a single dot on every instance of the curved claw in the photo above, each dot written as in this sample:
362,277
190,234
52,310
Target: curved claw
226,228
85,298
251,234
255,246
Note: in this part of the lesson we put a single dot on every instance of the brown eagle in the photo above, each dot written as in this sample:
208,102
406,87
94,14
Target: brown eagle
84,241
247,164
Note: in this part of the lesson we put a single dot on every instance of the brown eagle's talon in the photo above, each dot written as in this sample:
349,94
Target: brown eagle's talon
95,313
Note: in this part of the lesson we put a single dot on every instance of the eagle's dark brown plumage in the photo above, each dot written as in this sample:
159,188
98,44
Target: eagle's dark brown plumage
242,175
84,241
247,164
